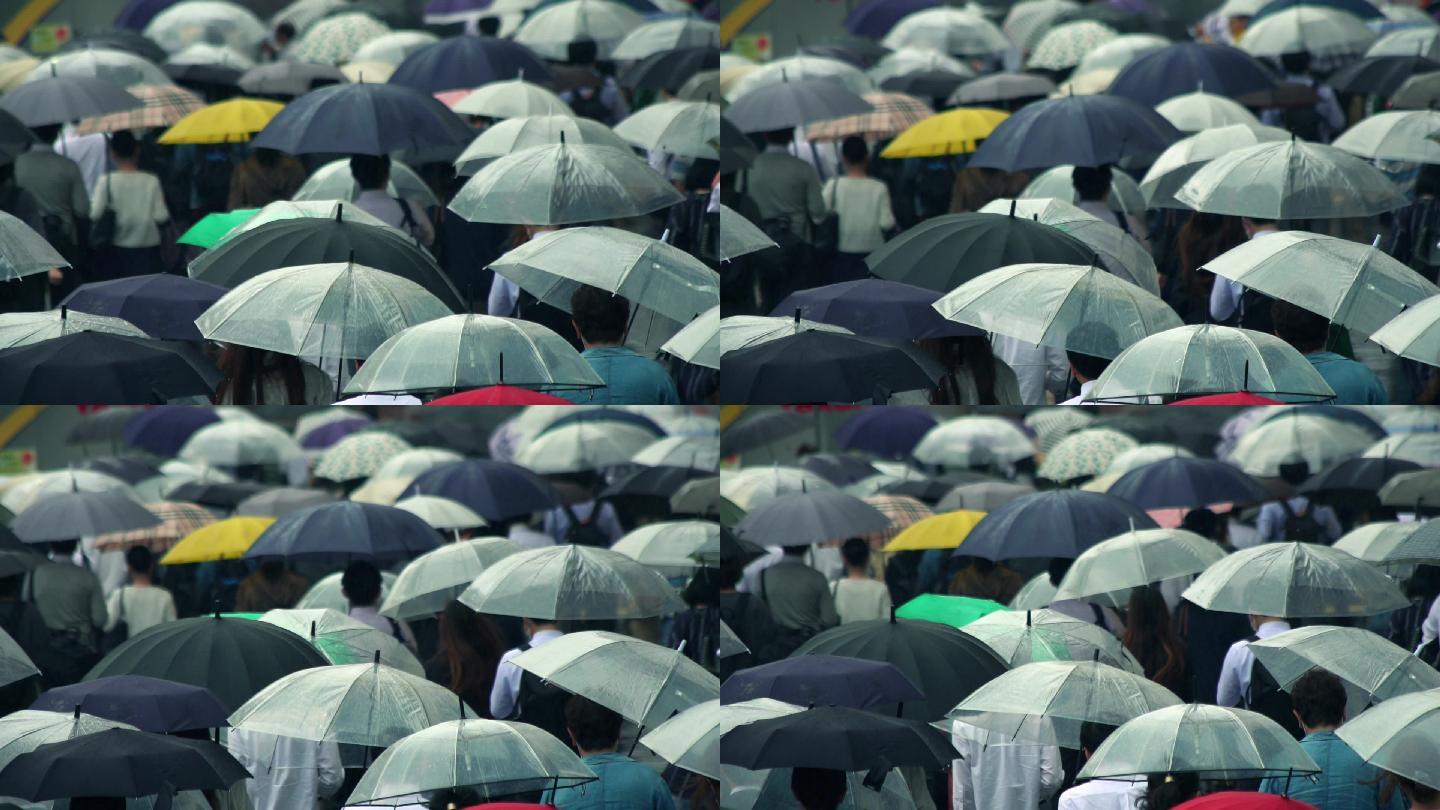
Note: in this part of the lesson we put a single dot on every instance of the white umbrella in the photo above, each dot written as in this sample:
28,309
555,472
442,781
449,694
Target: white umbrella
1120,51
665,35
441,513
550,30
206,21
1199,111
743,331
1291,180
692,452
1045,210
1414,333
21,494
1183,158
1295,580
413,462
959,32
1400,735
121,67
328,593
23,252
1106,572
513,134
974,441
739,236
753,486
1137,457
240,444
1028,20
583,447
431,581
333,181
671,546
802,66
1402,136
513,98
25,328
392,48
698,343
1317,30
684,128
204,53
1421,41
1294,438
1125,196
912,60
1421,448
571,582
345,640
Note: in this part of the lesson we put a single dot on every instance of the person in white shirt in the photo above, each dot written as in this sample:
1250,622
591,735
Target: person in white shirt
525,535
372,174
996,773
138,203
1430,628
90,153
1092,186
361,584
1226,294
862,205
858,597
1235,672
1100,794
1038,369
141,604
557,520
505,294
286,773
1275,515
1296,67
1087,368
505,694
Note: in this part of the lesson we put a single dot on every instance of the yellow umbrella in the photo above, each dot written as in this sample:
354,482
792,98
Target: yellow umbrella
230,121
941,531
955,132
223,540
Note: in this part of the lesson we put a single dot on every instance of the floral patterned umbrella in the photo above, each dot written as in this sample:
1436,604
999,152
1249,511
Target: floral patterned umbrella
1063,46
359,455
334,40
1085,453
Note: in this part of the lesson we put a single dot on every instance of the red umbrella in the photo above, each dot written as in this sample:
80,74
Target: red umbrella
1240,398
500,395
1239,800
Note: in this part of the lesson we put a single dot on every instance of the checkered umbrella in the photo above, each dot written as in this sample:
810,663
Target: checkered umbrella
902,510
893,114
165,105
177,519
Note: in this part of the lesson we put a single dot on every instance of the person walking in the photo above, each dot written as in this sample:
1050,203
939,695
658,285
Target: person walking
1100,794
372,175
70,600
600,319
361,584
623,782
519,695
857,596
141,604
992,776
251,376
136,202
58,188
862,205
1243,683
271,587
467,656
1353,382
799,599
265,176
1151,638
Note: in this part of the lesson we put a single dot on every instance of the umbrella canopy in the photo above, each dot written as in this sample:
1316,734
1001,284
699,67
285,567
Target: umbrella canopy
1059,184
1389,542
1199,111
822,680
282,501
1295,580
333,181
1414,333
1076,130
1380,75
583,447
984,496
551,28
359,455
1106,572
748,488
1372,668
62,99
26,730
1185,66
1324,33
335,39
803,518
946,530
683,128
435,578
239,443
745,331
120,762
237,119
346,528
974,441
959,32
801,67
496,490
1001,89
944,252
26,328
149,704
1211,741
834,737
440,513
23,252
227,539
1084,454
1399,736
205,21
1421,448
875,18
1119,252
570,582
328,593
499,395
513,134
1401,136
954,611
739,236
957,131
822,366
698,342
177,520
1063,46
884,431
463,62
20,495
794,103
69,515
674,68
163,431
343,640
1178,164
1239,800
1057,523
1298,437
873,308
289,78
492,757
1047,635
164,105
1120,51
515,98
116,66
357,704
1191,483
368,119
1290,180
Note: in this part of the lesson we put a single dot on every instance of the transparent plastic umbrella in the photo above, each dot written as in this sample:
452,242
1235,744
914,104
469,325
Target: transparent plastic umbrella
1045,210
671,546
496,758
121,67
1125,196
1414,333
1295,438
333,181
206,21
657,682
23,731
473,351
960,32
1035,594
1328,33
698,343
356,704
550,29
563,184
1295,580
338,310
441,513
239,443
1291,180
666,35
15,664
1046,702
691,452
1401,136
26,491
302,208
24,328
392,48
583,446
1182,159
1208,359
435,578
1106,572
1390,543
748,488
685,128
1345,282
743,331
513,134
974,441
512,98
1401,735
1145,454
414,462
1372,668
802,66
571,582
1081,309
1214,742
327,593
1023,637
691,739
1199,111
23,252
1118,251
739,236
1119,52
343,640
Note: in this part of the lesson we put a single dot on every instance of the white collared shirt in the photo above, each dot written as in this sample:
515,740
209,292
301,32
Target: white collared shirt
506,691
1235,672
1225,295
997,774
1103,794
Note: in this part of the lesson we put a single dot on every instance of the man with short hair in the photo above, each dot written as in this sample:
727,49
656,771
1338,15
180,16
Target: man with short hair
1087,368
623,783
798,596
58,188
1237,686
372,175
68,597
361,583
1354,383
1100,794
509,696
600,319
1092,186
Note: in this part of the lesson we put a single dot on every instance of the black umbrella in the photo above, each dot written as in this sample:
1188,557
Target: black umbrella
1059,523
943,662
836,738
15,137
234,658
458,63
822,680
738,549
931,490
1380,75
496,490
942,253
289,78
130,469
292,242
669,70
737,151
794,103
815,366
346,529
119,40
221,495
193,73
756,430
105,426
1283,94
149,704
655,482
363,119
71,515
839,469
62,99
933,83
1190,483
1075,130
1356,481
120,763
88,367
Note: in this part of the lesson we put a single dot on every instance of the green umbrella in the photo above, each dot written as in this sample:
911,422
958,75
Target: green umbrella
1401,735
1295,580
359,455
956,611
343,640
1373,668
1023,637
1214,742
1106,572
571,582
1084,453
1046,702
431,581
213,227
1391,542
685,128
514,134
1298,437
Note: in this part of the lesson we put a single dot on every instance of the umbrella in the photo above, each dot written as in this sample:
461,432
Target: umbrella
959,32
1421,448
281,501
289,78
240,443
570,582
163,431
15,664
875,18
440,513
682,128
149,704
801,67
561,184
684,452
667,35
227,539
1399,736
1356,479
1115,250
1120,51
370,119
985,496
333,181
1380,75
794,103
357,704
946,530
491,757
550,30
23,252
61,99
1047,635
1190,483
1002,88
1412,333
27,328
874,308
803,518
344,640
1409,489
295,242
177,520
1206,359
837,738
1063,46
1301,181
515,98
822,680
513,134
739,236
1057,523
463,62
70,515
1214,742
346,528
583,447
838,468
745,331
28,729
328,592
974,441
116,66
359,455
823,366
1059,184
1179,163
1076,130
499,395
1199,111
1239,800
1412,41
120,762
1184,66
1295,580
1360,8
749,488
691,739
20,495
205,21
1298,437
213,227
659,681
944,252
953,611
1028,20
435,578
933,84
114,39
1084,454
132,469
1326,33
957,131
164,105
334,40
1372,668
495,490
1106,572
237,119
392,48
1400,136
698,342
885,432
670,69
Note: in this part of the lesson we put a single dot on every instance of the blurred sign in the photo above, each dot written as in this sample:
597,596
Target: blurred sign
17,462
49,37
755,47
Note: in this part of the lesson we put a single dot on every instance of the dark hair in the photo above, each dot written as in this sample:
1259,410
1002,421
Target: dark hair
1295,473
124,145
471,647
594,727
47,133
1165,790
139,558
818,788
63,547
266,157
582,52
854,150
972,352
370,171
361,583
1202,522
1089,365
703,589
97,803
599,316
1424,583
1092,734
285,29
1058,568
1202,238
1427,183
1415,791
488,26
700,174
243,369
1152,640
272,570
1301,328
856,552
1091,182
779,136
1295,62
731,571
1319,698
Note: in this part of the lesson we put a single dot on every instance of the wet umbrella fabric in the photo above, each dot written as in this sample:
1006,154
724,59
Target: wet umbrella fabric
463,62
815,366
162,305
837,738
63,99
794,103
1058,523
86,367
496,490
803,518
944,252
1295,580
120,762
1184,66
149,704
1192,483
875,308
1075,130
70,515
366,119
669,69
822,680
888,432
163,431
347,529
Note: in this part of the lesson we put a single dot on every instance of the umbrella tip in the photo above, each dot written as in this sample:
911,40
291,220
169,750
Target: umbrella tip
77,711
892,614
339,211
377,658
1028,617
562,137
797,317
1013,204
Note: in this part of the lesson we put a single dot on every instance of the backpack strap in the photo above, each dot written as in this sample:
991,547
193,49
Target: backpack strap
407,216
395,629
1123,221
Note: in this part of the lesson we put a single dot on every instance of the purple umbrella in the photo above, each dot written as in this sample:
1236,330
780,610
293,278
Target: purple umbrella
876,17
138,13
332,432
822,680
887,432
875,308
163,431
149,704
463,62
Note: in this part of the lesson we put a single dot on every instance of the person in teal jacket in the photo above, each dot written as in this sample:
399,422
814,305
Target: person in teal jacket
1345,781
624,784
601,320
1354,383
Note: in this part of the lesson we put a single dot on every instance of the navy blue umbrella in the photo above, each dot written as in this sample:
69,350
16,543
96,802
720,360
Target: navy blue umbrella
130,469
164,430
149,704
162,305
332,432
875,18
1187,483
606,415
1075,130
875,308
654,482
838,468
463,62
1187,66
363,119
346,529
822,680
888,432
1059,523
1356,480
496,490
138,13
1360,8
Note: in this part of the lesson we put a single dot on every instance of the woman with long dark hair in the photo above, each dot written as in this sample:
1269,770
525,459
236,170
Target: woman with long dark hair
1201,238
1151,638
1164,791
973,375
258,377
468,654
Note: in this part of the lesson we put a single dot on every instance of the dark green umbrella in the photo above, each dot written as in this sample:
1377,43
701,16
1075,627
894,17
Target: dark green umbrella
942,253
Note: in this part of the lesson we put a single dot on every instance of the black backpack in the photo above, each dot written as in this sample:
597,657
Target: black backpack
1265,696
540,703
1302,527
586,532
585,102
1429,652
